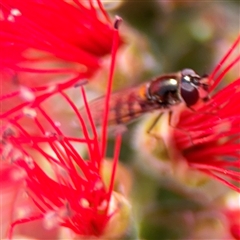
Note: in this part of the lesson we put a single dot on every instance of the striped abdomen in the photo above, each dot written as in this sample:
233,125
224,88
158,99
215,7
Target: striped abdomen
124,106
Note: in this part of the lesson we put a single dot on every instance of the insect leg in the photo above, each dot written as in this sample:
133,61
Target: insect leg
21,221
153,125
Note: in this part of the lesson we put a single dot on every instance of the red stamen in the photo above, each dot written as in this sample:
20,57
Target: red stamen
20,221
224,72
109,87
118,142
224,59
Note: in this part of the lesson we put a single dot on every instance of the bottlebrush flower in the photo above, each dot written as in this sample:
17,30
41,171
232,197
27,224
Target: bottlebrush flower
205,138
209,141
67,37
47,42
48,47
68,190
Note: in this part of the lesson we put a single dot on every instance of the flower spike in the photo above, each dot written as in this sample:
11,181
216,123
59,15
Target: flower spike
63,182
214,129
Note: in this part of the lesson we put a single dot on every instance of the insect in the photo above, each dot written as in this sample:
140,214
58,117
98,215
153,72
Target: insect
163,93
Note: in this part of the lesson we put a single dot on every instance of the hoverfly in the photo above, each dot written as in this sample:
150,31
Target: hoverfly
163,93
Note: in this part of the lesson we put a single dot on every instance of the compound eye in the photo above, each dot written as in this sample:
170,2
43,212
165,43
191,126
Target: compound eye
190,76
189,93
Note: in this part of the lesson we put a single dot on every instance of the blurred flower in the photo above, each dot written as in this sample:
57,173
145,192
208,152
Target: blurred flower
11,181
205,138
218,220
232,212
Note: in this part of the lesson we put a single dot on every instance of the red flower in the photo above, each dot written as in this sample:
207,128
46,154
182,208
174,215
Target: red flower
44,42
66,188
57,33
231,212
72,191
234,223
208,139
49,42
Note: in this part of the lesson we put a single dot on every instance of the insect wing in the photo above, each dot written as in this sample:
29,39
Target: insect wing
124,106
